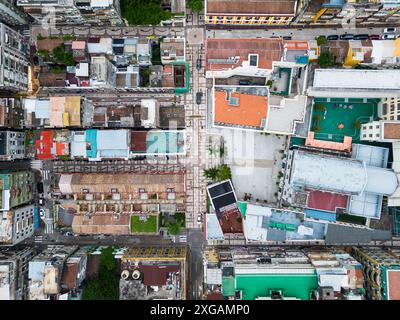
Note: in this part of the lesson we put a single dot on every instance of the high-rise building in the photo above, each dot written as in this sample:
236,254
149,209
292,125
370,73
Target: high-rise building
381,272
12,145
14,273
10,14
71,12
14,61
16,211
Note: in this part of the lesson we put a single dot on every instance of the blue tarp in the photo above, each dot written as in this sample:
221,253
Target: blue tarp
36,218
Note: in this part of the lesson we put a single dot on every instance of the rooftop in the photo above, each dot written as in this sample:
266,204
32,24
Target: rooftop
255,7
240,106
391,130
225,54
357,79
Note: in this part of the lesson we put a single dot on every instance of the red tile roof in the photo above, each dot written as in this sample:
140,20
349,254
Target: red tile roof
268,50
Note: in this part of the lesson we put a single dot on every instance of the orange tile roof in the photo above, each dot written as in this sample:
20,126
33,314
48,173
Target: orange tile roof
250,112
269,50
296,45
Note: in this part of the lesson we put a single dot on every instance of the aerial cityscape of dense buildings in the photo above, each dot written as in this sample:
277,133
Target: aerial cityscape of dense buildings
200,150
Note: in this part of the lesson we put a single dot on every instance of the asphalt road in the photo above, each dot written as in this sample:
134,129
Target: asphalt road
196,243
295,33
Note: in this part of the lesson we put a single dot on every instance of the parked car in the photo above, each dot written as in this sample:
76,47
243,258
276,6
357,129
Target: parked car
332,37
245,82
199,95
198,64
199,218
389,36
361,37
346,36
42,213
42,201
287,38
389,30
69,234
40,187
374,37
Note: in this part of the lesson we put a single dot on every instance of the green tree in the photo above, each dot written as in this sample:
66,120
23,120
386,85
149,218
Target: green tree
57,69
106,285
144,12
321,40
357,125
195,5
61,56
224,173
269,83
211,173
326,60
319,107
174,227
43,53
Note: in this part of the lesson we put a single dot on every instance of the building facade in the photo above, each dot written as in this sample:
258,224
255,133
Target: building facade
12,145
72,12
11,113
10,14
237,12
17,213
14,61
14,273
381,272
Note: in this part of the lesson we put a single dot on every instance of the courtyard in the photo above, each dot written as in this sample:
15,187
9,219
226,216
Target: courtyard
144,224
334,118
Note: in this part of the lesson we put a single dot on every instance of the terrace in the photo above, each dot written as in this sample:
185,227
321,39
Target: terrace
335,118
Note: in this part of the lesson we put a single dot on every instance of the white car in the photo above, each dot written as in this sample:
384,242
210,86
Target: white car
389,36
42,213
199,218
389,30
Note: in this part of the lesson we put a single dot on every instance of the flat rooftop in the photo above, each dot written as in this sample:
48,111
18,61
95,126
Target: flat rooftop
251,7
224,54
357,79
391,130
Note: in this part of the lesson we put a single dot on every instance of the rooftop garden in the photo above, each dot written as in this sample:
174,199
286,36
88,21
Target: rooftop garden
144,224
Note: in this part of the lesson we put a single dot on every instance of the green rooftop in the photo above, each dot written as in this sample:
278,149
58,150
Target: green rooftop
335,118
144,224
261,285
228,286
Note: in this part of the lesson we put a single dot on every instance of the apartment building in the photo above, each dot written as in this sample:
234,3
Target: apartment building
14,273
12,145
83,12
10,14
16,212
14,61
237,12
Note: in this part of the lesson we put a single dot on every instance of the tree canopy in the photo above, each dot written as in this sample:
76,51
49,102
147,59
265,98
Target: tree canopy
106,285
144,12
326,60
195,5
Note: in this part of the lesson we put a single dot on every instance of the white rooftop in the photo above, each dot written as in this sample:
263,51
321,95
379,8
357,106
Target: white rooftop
357,79
327,173
341,175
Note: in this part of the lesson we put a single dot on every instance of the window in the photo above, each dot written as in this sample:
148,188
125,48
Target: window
370,135
253,60
364,135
